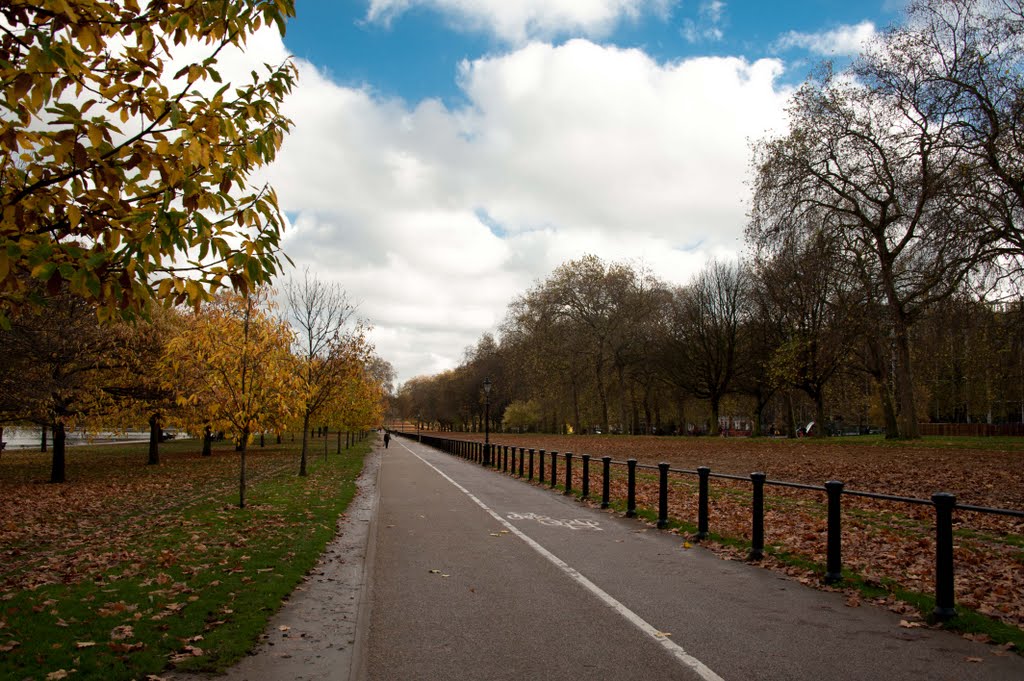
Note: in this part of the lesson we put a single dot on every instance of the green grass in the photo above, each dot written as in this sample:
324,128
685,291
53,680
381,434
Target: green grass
201,589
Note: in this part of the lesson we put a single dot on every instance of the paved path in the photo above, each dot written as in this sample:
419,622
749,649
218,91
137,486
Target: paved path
446,570
477,575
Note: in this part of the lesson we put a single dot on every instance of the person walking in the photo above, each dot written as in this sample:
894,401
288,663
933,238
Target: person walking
387,439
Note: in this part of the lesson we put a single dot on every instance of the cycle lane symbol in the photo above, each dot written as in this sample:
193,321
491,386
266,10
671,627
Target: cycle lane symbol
569,523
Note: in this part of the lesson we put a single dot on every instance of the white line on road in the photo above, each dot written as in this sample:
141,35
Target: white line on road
687,660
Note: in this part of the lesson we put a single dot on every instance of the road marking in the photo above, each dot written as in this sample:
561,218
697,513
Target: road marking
573,524
676,651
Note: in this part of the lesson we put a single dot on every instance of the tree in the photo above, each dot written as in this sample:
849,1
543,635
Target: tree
124,173
882,179
323,346
802,280
702,333
63,369
239,356
966,56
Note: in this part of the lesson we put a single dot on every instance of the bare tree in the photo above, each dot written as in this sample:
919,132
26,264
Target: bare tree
320,313
702,334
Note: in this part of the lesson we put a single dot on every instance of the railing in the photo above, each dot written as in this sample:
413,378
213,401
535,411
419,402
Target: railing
504,457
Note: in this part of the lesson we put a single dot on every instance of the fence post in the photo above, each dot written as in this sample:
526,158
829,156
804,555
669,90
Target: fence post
531,465
522,455
944,599
504,460
586,475
834,558
568,473
662,495
757,539
606,466
702,503
512,456
541,471
631,488
554,468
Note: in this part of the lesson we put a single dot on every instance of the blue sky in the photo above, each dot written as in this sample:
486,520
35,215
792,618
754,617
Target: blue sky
415,54
446,155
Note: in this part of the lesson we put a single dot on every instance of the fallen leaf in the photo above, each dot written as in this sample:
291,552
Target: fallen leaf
57,675
9,646
284,627
910,625
84,644
973,659
125,631
435,572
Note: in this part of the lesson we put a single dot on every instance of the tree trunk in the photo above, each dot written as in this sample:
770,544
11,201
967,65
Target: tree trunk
622,400
305,444
279,438
888,410
715,404
576,406
241,480
154,440
819,414
207,441
262,439
243,440
339,440
907,415
58,463
790,415
42,443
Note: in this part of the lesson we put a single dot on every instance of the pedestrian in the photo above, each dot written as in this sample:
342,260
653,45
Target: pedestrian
387,439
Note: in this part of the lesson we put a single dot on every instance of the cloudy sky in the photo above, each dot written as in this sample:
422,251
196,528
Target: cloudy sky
447,154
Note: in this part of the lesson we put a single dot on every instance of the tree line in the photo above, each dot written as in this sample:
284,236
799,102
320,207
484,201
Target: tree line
237,365
880,286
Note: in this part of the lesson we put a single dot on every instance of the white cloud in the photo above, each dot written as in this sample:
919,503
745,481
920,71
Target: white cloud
846,40
708,26
516,21
436,218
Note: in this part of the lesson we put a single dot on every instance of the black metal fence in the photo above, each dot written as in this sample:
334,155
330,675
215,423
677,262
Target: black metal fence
505,458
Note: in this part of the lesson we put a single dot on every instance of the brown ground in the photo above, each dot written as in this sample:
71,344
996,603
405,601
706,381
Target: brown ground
882,540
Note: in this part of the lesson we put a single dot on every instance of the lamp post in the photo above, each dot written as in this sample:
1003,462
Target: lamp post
487,421
417,427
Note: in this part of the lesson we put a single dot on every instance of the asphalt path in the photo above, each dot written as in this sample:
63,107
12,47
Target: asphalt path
477,575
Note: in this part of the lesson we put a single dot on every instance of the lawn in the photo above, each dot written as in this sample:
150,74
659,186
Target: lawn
129,569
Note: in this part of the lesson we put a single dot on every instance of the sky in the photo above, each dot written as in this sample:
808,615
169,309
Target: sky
447,155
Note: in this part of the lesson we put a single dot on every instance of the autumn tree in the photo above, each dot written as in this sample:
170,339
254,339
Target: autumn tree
63,369
238,355
125,165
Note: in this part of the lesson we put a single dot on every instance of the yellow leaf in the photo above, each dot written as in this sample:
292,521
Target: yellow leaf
74,215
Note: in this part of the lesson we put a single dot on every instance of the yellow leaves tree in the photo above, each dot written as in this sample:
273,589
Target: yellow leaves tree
236,357
123,175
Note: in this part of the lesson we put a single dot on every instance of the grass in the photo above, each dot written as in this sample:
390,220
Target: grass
196,592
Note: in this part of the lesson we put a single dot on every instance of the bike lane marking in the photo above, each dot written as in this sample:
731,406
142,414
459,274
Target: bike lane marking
674,649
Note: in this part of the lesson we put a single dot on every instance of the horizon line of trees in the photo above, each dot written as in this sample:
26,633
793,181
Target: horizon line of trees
881,283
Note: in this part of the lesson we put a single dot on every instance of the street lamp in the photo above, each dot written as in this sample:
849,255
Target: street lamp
487,421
